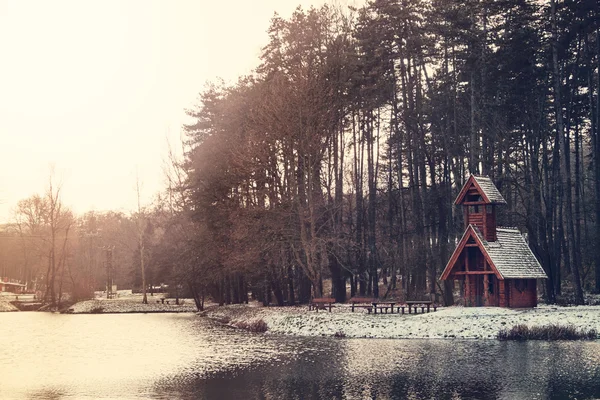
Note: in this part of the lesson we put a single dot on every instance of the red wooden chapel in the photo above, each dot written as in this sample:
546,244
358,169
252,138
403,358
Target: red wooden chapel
494,265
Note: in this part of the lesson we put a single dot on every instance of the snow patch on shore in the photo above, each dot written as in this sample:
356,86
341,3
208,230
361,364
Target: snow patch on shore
451,322
6,306
131,303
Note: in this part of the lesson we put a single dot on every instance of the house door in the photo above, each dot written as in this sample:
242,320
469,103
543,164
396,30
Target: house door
493,291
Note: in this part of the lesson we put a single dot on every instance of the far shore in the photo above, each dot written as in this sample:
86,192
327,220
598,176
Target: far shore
132,303
125,303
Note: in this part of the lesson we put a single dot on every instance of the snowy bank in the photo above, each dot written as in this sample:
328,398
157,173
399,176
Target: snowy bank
132,303
450,322
6,306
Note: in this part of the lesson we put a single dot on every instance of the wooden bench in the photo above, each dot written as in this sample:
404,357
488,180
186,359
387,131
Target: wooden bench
321,303
362,302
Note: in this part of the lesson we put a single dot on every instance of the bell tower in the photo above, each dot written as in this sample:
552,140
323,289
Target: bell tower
479,198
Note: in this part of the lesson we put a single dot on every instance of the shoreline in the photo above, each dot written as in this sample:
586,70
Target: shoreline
131,305
6,306
130,312
125,303
454,322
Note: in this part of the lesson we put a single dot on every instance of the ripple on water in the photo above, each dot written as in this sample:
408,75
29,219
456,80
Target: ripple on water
53,356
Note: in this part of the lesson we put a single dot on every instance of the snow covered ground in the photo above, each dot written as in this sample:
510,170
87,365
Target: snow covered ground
6,306
451,322
126,302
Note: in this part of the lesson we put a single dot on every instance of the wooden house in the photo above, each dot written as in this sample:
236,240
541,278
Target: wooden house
11,285
494,265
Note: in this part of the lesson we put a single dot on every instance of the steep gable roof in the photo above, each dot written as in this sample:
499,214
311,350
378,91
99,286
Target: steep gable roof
509,257
470,233
484,186
512,256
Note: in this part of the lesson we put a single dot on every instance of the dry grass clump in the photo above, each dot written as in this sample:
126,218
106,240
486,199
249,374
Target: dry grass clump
258,326
546,332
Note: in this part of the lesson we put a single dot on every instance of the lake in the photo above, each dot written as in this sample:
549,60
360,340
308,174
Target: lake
166,356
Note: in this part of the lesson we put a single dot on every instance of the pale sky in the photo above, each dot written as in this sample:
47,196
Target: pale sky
93,89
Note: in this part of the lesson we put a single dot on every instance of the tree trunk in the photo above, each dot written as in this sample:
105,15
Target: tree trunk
597,155
564,142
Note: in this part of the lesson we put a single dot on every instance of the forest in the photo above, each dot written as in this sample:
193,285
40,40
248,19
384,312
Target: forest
334,165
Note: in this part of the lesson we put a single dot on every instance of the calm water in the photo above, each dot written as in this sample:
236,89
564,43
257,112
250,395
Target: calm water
51,356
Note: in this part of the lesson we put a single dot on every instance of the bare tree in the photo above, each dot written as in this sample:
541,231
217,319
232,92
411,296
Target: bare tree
140,224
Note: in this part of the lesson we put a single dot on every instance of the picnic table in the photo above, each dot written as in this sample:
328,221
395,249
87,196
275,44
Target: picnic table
320,303
376,303
423,303
362,302
373,304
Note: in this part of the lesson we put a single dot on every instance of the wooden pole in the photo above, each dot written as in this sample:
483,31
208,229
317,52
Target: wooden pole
486,292
486,284
502,295
484,228
467,280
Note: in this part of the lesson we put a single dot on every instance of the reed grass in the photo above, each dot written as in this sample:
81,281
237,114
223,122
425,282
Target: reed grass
258,326
547,332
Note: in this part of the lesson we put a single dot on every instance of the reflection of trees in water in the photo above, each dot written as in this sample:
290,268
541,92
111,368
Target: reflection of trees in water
306,369
414,369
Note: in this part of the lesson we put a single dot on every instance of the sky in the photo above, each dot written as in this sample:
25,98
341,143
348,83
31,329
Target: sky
91,92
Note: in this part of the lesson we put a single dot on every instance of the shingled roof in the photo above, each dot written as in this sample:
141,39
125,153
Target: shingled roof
490,190
484,184
511,255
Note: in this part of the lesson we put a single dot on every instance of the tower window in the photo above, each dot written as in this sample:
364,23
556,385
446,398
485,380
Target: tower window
474,198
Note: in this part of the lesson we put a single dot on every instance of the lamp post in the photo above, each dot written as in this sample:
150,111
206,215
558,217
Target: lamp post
109,271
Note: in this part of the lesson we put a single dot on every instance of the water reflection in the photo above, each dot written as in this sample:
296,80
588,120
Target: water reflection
416,369
183,356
